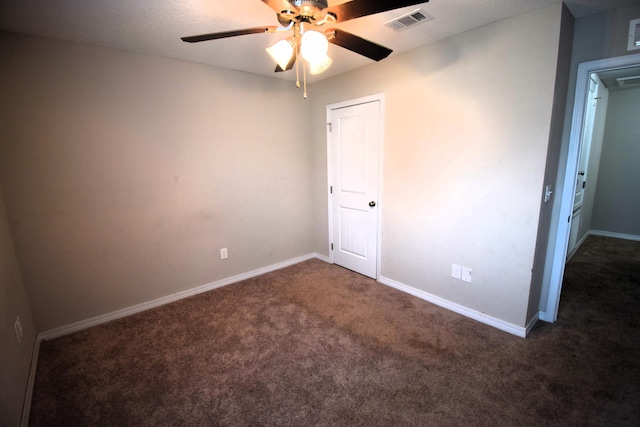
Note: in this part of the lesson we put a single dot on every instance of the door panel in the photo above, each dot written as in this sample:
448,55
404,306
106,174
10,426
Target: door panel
354,146
354,153
595,94
353,233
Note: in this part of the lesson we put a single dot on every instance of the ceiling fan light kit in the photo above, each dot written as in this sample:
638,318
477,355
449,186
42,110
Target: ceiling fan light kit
309,42
313,46
281,52
320,66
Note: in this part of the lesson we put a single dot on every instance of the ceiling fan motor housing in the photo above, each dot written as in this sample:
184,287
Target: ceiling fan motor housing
308,11
322,4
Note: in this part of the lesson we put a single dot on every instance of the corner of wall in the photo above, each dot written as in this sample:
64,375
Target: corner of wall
18,335
545,240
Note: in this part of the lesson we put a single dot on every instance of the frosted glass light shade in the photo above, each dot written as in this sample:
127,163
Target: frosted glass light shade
281,53
314,46
320,66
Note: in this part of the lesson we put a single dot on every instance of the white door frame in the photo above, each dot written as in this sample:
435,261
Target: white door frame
585,69
364,100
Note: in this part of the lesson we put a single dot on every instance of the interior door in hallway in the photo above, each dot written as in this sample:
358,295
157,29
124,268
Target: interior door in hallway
592,132
354,149
595,94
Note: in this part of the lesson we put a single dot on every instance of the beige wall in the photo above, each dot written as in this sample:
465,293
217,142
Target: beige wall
15,357
617,199
467,129
125,174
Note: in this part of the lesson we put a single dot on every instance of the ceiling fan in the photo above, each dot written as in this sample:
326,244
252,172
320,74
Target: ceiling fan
307,18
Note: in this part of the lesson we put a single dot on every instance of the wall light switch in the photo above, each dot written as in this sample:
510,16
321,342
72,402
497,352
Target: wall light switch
466,274
547,193
456,271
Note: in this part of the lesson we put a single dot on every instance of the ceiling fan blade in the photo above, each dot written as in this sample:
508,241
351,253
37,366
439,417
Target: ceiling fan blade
280,5
290,65
358,45
357,8
225,34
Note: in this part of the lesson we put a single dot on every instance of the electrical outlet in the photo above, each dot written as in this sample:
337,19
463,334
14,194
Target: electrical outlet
18,327
223,253
456,271
466,274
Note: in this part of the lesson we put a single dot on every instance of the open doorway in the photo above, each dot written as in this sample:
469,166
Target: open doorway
592,136
571,170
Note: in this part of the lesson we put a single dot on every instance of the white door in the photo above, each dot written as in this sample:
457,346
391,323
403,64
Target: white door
591,111
594,95
573,231
354,146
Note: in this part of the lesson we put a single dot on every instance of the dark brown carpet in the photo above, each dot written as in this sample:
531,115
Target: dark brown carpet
317,345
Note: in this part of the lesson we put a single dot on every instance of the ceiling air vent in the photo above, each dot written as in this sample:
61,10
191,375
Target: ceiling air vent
634,34
629,81
409,20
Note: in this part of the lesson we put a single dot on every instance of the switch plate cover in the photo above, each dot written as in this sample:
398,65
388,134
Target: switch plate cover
466,274
547,193
456,271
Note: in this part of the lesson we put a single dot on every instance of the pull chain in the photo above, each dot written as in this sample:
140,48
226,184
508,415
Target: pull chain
297,69
304,77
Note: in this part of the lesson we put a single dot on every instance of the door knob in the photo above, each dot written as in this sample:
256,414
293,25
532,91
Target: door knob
372,203
581,173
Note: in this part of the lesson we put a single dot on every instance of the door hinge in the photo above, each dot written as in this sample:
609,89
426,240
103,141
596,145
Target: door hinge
330,127
332,246
331,189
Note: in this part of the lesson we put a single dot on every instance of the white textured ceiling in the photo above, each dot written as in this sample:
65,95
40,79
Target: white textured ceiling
155,27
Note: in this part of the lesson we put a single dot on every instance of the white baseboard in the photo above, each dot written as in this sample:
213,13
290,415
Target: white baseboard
532,322
614,235
94,321
26,407
322,258
97,320
460,309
